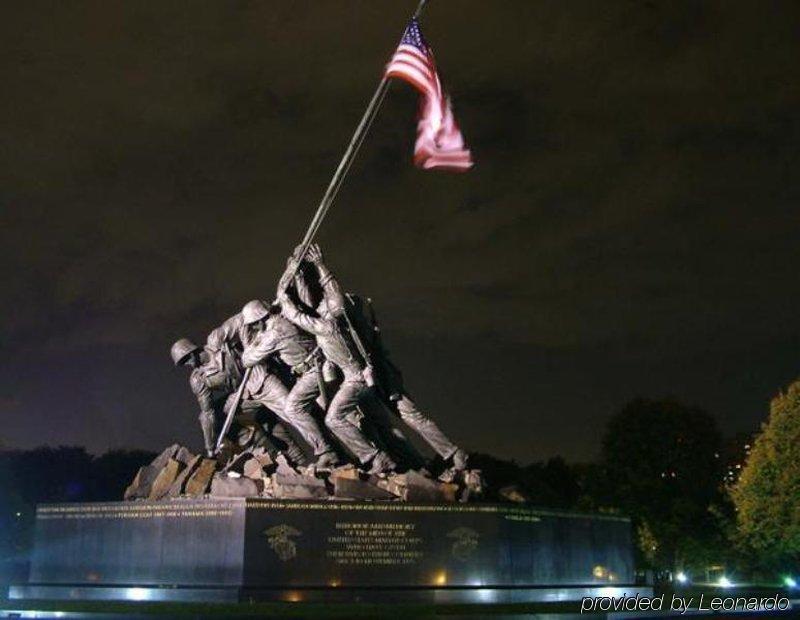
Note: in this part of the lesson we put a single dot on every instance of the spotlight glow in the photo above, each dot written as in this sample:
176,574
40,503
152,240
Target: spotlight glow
724,582
790,582
681,577
440,578
137,594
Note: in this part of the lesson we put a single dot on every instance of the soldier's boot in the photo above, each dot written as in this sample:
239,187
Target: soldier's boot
294,453
382,463
280,437
327,460
460,458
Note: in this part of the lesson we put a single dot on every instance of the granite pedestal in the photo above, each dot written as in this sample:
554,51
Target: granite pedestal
242,549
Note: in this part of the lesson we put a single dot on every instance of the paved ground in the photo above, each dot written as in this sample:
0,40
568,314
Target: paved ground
561,611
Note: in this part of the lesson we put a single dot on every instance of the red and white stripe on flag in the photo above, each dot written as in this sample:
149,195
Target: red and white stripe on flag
440,144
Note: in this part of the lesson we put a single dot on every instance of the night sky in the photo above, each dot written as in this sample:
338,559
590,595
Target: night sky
632,226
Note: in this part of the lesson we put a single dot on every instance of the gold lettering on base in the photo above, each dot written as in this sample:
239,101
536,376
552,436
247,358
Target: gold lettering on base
375,544
133,511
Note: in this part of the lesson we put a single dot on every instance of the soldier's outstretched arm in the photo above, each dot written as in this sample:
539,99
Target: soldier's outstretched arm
286,279
311,324
201,392
302,289
229,331
330,285
259,349
290,310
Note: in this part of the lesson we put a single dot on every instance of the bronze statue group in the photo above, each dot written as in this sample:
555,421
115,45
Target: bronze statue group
316,366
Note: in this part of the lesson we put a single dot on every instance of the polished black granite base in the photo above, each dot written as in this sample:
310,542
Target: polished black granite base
234,549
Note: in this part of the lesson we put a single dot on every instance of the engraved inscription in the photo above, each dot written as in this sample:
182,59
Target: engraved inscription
375,543
132,511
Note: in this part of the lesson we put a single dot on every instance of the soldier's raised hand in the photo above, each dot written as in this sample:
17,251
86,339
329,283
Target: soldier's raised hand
314,253
291,264
286,278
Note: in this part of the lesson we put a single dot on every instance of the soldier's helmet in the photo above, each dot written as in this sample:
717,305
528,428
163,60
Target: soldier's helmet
254,310
182,349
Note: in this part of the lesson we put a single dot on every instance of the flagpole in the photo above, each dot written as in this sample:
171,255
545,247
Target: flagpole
327,199
349,155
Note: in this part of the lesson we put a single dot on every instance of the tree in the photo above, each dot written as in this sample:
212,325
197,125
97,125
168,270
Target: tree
660,465
555,481
48,474
113,471
551,484
767,495
63,474
14,525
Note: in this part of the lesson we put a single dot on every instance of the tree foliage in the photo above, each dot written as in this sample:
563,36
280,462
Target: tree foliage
45,474
661,466
767,495
549,484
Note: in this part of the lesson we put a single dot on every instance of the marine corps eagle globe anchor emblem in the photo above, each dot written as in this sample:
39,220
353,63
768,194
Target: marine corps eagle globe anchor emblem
280,541
465,543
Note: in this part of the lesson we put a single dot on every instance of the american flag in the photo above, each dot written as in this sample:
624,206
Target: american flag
439,141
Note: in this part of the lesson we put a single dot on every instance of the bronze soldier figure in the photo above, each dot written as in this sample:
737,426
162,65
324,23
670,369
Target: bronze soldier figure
392,387
275,336
332,339
260,334
213,379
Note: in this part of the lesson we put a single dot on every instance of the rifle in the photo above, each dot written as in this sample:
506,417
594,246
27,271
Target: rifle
232,411
369,377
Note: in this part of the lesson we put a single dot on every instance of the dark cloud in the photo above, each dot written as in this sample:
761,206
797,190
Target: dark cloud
631,227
